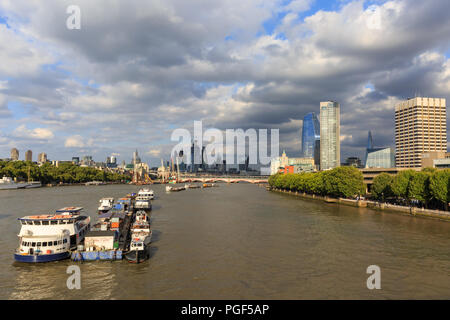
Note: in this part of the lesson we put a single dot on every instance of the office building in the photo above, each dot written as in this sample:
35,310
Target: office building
378,157
14,154
329,135
353,162
311,137
420,127
42,157
29,155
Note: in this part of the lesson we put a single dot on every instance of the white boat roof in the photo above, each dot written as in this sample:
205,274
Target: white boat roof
70,209
63,216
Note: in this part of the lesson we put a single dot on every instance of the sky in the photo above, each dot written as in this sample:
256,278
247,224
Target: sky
137,70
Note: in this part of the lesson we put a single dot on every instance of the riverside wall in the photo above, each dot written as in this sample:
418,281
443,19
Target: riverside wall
412,211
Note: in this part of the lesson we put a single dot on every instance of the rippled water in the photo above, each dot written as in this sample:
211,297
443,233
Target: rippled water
238,242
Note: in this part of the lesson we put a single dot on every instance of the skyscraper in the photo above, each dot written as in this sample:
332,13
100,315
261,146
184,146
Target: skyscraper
29,155
14,154
42,157
311,137
329,135
420,127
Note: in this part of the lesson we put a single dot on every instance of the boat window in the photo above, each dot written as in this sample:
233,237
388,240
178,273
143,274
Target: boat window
65,241
44,244
62,222
54,222
33,244
55,243
45,223
38,244
29,222
59,241
37,223
23,222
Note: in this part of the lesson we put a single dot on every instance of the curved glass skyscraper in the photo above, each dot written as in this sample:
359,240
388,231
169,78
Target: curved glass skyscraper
311,137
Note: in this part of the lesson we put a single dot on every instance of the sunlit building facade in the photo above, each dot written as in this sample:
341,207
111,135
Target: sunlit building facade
420,127
329,135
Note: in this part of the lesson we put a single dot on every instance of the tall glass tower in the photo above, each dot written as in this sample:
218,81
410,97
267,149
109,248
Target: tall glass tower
311,137
330,149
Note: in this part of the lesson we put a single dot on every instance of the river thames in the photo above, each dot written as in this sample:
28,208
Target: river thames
238,241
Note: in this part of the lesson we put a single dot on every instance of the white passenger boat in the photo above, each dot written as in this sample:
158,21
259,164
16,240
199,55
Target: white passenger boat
143,202
172,188
106,204
50,237
7,183
146,193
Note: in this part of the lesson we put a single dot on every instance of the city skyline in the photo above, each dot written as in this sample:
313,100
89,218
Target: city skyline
264,66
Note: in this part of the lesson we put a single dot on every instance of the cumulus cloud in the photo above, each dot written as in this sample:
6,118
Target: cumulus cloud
76,141
137,70
38,133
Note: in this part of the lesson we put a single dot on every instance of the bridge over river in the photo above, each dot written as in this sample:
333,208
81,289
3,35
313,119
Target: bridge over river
227,179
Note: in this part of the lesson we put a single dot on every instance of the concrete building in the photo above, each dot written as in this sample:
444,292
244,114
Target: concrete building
420,127
29,155
329,135
14,154
42,157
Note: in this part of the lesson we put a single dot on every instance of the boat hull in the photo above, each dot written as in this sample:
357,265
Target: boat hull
137,256
41,258
97,255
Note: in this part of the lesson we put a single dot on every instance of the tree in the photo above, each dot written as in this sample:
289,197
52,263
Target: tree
439,190
401,183
346,182
382,186
419,187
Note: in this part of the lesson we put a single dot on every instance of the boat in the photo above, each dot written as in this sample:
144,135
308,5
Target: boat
191,186
50,237
33,184
146,193
171,188
143,202
209,185
7,183
94,183
106,204
141,236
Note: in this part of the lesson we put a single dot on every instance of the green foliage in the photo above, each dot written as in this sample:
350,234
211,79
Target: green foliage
419,186
430,186
401,184
382,186
339,182
47,173
439,186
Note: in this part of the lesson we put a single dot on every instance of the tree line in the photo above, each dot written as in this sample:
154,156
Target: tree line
344,182
428,188
47,173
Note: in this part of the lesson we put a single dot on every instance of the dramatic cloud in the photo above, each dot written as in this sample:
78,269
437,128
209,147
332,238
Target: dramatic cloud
139,69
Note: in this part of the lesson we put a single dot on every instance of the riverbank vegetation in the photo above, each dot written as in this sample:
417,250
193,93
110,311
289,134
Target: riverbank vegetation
344,182
428,188
47,173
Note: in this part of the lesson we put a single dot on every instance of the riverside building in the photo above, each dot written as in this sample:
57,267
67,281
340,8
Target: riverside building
420,127
329,135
